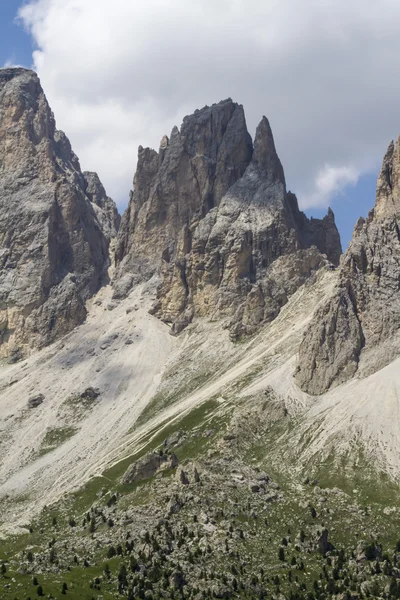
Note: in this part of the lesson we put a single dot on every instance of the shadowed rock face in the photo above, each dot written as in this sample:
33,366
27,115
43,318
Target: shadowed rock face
362,320
214,212
53,250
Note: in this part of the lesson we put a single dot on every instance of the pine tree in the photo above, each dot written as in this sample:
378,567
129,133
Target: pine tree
122,579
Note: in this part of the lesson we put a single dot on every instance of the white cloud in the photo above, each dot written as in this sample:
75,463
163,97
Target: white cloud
10,63
330,182
122,73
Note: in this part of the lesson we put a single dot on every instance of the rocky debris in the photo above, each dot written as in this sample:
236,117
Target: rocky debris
174,505
149,465
372,551
263,477
35,401
53,249
15,356
254,487
214,212
108,340
357,329
123,286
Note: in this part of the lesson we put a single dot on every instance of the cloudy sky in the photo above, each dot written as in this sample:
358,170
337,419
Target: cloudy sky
121,73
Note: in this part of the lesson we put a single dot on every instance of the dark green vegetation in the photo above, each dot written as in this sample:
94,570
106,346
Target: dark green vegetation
245,527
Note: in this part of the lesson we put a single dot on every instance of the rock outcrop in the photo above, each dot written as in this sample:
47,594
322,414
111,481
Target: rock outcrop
357,329
149,465
53,249
214,212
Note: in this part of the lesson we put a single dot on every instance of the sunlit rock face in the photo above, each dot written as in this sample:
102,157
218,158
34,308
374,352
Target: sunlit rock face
357,330
211,214
53,249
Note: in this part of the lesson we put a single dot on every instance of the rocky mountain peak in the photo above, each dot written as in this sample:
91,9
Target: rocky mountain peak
183,181
105,208
211,214
53,248
265,156
388,184
357,330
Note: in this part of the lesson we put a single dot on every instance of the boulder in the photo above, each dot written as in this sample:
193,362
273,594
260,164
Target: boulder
35,401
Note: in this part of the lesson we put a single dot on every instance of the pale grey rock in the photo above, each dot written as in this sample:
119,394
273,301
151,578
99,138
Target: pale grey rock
211,213
53,250
123,286
149,465
359,325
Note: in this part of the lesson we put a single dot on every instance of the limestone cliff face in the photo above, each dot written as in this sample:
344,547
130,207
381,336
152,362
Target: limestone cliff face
214,212
189,175
53,250
104,207
357,328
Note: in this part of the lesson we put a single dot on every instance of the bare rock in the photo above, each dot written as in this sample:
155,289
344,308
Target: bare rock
212,212
90,393
148,466
35,401
54,252
187,177
247,255
355,331
105,208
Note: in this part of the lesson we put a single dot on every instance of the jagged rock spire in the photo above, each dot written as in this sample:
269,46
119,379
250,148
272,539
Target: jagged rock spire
388,184
265,155
186,179
356,331
214,212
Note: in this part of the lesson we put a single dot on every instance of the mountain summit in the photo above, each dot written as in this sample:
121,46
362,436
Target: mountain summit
213,212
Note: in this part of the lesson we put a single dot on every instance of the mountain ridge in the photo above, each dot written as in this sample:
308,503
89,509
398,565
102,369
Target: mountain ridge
254,453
